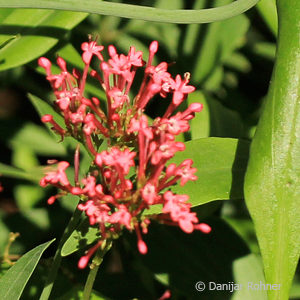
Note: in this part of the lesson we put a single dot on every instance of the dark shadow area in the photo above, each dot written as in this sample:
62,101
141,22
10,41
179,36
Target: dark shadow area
239,168
186,259
48,31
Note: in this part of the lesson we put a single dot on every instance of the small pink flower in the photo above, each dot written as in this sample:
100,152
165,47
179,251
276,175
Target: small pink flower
58,176
181,89
149,193
46,64
166,151
90,49
115,157
186,172
122,216
166,295
118,97
141,126
78,116
135,58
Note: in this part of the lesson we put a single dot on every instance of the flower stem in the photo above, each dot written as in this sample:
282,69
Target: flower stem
57,257
184,16
105,246
90,282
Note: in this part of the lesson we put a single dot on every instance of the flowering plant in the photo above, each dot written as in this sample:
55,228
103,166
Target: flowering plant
142,170
133,174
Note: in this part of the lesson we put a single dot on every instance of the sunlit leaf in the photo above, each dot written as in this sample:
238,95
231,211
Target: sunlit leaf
29,33
272,184
221,165
13,282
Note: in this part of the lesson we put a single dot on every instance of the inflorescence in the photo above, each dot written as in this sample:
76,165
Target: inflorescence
133,173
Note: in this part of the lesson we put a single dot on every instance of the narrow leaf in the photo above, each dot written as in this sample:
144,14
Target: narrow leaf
9,171
267,8
13,282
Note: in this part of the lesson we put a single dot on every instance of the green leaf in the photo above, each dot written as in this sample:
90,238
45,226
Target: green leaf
139,12
23,157
13,282
200,125
37,139
32,175
272,185
221,164
238,62
248,271
81,237
27,196
224,122
267,9
39,217
265,49
32,32
43,108
217,45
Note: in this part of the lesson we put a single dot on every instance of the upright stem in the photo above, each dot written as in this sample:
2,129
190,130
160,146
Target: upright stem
90,282
57,257
105,246
272,179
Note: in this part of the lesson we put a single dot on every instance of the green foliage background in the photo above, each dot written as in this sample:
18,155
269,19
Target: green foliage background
230,63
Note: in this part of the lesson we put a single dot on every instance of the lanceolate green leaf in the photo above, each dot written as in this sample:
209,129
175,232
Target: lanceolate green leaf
32,175
220,163
13,282
29,33
139,12
272,186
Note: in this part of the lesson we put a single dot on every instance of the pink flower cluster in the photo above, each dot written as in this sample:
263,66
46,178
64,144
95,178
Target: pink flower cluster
133,174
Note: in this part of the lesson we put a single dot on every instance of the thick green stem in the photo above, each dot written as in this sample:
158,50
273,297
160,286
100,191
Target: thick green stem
185,16
272,182
57,257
